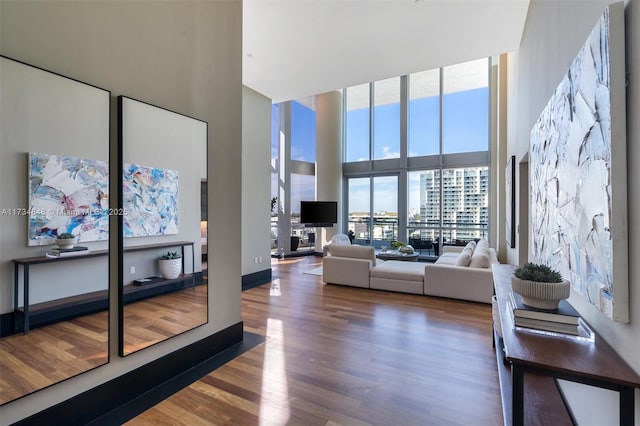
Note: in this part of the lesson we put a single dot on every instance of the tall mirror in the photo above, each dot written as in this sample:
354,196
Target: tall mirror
163,248
54,153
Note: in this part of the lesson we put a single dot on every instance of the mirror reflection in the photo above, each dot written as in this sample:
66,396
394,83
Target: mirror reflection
54,228
164,227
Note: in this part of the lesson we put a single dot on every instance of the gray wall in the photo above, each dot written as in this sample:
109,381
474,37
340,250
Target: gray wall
554,32
183,56
256,181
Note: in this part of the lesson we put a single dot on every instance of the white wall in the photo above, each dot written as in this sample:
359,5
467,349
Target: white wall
329,159
183,56
554,32
256,181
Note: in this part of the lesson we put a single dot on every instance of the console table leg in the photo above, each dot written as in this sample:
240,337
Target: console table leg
517,396
25,307
627,406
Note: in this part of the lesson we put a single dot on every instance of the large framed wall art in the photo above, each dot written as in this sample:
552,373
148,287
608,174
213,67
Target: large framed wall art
579,172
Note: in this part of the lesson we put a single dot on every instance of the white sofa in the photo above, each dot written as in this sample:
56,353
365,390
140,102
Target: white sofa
349,265
460,273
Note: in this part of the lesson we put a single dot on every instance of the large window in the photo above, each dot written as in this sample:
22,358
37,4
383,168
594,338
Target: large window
424,113
359,209
465,107
444,198
385,209
293,154
386,119
373,209
357,123
303,132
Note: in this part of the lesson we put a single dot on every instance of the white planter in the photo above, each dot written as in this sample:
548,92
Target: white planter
170,268
541,295
65,243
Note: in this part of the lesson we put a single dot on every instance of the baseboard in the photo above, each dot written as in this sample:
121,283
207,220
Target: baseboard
122,398
256,279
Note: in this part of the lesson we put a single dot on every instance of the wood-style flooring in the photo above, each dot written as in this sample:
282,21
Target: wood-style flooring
336,355
50,354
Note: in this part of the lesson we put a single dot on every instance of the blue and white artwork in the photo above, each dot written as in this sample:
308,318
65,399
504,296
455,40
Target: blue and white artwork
150,201
67,194
577,170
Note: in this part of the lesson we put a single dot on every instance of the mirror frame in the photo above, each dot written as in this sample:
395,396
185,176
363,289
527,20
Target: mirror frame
154,111
45,120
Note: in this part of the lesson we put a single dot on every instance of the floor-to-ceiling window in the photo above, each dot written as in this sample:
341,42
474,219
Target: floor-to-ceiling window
386,119
357,123
293,143
438,166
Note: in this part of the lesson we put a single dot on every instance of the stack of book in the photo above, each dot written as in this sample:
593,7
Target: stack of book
63,252
564,320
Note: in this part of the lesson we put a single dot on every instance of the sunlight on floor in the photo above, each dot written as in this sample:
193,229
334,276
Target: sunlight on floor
275,288
274,401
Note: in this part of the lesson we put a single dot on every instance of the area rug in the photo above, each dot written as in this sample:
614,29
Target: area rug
314,271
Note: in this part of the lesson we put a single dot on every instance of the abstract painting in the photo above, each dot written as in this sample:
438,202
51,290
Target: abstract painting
578,175
150,201
67,194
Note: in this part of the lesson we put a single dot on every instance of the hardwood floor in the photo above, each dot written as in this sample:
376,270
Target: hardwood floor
153,320
336,355
55,352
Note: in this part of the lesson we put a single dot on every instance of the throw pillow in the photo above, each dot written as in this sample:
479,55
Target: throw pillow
471,245
480,259
464,258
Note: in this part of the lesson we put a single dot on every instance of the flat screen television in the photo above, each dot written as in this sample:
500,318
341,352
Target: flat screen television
318,213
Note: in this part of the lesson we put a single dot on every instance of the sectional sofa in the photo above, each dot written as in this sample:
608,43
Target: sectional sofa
459,273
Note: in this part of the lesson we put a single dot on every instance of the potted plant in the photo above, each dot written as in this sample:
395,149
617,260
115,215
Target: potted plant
170,265
65,240
540,286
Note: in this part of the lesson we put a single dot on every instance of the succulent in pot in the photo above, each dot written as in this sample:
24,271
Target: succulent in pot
170,264
65,240
540,286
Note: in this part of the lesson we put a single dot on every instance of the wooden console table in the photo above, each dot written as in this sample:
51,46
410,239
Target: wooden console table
536,360
29,261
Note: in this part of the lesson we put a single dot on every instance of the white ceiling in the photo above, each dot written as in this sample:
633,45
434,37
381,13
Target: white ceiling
298,48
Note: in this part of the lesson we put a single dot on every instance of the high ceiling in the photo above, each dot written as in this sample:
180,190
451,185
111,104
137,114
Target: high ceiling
298,48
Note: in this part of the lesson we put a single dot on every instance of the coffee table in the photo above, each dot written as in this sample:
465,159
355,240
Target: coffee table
396,255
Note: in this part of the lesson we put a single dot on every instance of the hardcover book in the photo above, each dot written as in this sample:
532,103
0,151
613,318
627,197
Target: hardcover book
63,252
564,314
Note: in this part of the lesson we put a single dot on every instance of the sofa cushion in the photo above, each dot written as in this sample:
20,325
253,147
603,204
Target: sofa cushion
353,251
464,258
482,244
471,245
448,258
480,257
398,270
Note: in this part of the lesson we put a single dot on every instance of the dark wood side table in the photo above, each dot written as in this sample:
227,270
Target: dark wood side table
583,361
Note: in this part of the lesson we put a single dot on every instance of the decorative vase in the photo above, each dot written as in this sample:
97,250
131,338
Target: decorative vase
541,295
295,242
65,243
406,249
170,268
